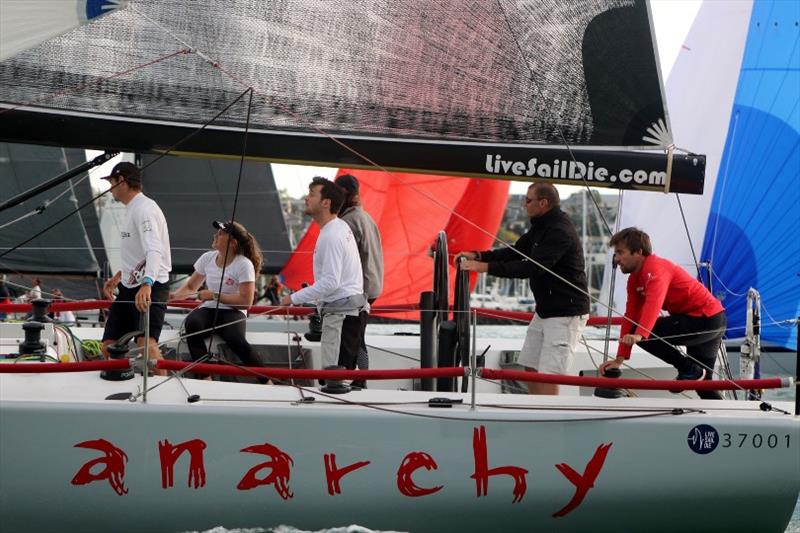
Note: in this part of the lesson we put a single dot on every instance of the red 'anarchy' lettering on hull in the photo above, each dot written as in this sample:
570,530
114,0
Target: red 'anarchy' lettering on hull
280,465
278,470
482,471
113,471
334,474
169,454
412,462
582,482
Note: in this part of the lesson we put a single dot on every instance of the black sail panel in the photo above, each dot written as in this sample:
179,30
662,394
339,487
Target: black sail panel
74,246
192,192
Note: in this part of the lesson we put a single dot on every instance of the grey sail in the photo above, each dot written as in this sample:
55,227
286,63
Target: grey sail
193,192
74,246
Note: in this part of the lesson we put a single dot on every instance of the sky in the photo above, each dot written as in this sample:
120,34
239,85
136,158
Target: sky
671,20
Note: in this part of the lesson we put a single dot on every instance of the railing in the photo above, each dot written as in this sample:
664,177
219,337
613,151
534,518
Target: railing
403,373
87,305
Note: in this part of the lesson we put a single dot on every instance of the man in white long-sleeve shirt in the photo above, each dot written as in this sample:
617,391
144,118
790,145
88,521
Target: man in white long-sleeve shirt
146,262
338,289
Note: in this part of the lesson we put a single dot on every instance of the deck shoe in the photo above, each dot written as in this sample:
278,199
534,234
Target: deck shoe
694,374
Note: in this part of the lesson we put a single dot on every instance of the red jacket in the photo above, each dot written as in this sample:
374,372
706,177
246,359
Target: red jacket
661,284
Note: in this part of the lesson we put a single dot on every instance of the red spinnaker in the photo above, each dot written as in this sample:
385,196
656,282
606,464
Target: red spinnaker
410,210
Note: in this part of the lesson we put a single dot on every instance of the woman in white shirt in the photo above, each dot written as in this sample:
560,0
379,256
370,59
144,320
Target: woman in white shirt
36,291
236,256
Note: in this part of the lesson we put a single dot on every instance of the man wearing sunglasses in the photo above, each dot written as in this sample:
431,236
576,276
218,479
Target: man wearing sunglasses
550,255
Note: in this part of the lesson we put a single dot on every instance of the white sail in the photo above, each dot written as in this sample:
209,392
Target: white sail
700,92
27,23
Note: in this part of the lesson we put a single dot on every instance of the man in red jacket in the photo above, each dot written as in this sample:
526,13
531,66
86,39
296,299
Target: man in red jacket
696,319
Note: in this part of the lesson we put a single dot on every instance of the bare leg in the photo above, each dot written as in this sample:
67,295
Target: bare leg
154,354
106,344
541,388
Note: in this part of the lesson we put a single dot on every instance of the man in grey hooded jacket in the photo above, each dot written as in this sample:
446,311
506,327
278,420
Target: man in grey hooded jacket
370,250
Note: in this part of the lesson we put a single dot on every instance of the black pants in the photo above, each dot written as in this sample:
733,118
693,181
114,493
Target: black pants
362,360
272,296
202,318
123,317
701,335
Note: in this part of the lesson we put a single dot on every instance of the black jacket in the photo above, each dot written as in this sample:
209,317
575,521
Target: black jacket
552,242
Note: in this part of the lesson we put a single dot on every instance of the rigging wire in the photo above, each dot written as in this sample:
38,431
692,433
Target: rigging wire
46,204
233,221
688,235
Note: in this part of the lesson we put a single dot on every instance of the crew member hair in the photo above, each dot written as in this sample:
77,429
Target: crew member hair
248,246
547,191
330,191
633,239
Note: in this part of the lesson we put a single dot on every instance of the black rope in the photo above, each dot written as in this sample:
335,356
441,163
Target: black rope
233,218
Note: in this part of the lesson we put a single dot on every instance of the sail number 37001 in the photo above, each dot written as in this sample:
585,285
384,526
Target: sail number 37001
755,440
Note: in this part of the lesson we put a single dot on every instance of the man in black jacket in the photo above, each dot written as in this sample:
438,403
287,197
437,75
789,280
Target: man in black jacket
551,257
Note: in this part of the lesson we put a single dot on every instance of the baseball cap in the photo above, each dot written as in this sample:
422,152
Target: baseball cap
230,228
127,171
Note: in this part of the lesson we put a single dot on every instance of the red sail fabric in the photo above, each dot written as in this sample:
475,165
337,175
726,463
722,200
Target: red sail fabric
410,210
475,220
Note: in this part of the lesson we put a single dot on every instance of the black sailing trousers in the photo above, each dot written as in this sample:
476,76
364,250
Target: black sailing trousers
700,334
233,334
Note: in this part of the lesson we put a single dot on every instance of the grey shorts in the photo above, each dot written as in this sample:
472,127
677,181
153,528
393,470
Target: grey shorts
550,343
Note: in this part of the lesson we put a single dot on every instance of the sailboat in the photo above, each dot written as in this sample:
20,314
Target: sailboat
435,87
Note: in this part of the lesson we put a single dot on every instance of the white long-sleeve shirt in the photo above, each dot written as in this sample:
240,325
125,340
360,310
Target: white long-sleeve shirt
144,249
337,266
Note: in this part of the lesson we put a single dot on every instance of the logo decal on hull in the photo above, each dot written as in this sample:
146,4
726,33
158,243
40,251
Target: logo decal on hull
703,439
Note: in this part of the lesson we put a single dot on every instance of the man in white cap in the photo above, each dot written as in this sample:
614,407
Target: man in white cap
146,262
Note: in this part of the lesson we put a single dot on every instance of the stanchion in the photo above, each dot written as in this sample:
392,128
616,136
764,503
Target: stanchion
473,361
146,352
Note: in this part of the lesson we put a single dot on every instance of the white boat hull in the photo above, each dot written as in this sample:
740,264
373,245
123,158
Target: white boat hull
651,475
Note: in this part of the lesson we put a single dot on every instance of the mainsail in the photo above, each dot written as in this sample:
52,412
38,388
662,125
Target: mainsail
27,23
534,89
